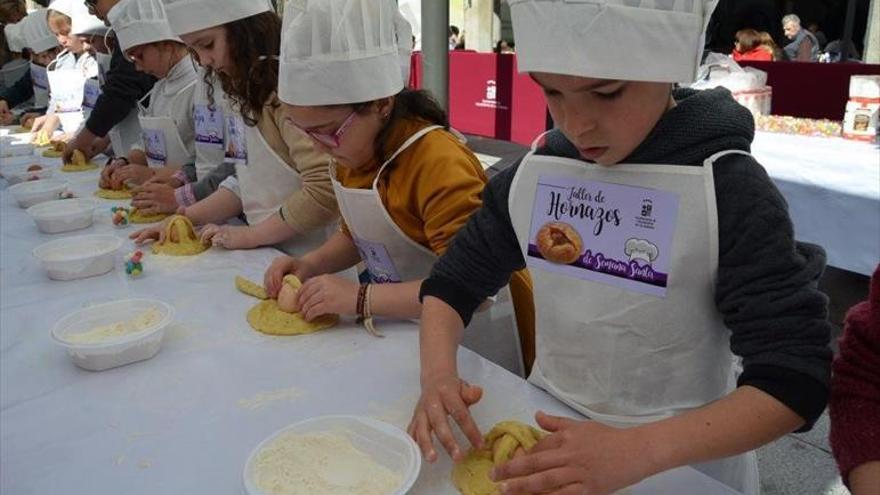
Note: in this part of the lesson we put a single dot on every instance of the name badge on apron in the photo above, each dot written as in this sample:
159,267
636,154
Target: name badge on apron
208,125
236,144
380,267
154,144
604,232
91,92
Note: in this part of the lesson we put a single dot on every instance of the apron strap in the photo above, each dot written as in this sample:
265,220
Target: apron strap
406,144
537,140
712,159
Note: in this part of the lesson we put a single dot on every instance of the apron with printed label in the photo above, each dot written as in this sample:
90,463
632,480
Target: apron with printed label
208,118
391,256
623,261
67,87
161,137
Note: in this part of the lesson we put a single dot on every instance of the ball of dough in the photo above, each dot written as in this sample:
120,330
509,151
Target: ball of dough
559,242
287,294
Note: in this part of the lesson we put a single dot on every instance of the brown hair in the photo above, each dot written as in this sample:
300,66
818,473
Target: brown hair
12,11
415,104
748,40
768,44
254,43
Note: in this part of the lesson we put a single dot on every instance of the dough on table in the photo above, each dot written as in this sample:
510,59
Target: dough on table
559,242
180,239
137,217
267,317
40,139
251,288
124,193
78,163
506,440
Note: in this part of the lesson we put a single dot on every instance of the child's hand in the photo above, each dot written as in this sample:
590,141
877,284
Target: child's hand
445,395
151,233
106,181
225,236
326,294
136,174
155,198
280,267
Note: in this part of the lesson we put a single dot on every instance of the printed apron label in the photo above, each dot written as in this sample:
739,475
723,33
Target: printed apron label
379,264
208,125
154,146
236,143
91,92
603,232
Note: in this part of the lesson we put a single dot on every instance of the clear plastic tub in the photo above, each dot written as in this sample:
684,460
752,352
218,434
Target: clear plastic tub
78,257
15,174
124,350
386,444
28,194
63,215
13,147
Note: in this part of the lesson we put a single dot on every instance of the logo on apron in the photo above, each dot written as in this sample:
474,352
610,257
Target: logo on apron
91,92
154,144
208,125
603,232
236,145
379,265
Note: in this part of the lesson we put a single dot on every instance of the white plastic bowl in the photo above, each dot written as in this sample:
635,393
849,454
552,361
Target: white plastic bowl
77,257
11,147
118,352
39,191
386,444
63,215
15,174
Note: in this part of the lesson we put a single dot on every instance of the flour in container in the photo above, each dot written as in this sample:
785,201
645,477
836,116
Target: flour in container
113,331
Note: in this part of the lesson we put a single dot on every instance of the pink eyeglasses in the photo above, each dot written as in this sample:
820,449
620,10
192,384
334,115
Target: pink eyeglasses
330,140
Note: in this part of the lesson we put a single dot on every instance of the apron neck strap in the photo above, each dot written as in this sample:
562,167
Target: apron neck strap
537,140
406,144
712,159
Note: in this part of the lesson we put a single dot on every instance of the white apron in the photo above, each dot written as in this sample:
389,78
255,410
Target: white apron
40,81
67,86
127,133
265,181
390,256
208,120
628,333
161,137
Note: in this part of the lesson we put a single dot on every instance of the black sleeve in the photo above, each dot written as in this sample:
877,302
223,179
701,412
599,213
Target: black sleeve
482,256
123,87
767,291
211,182
20,92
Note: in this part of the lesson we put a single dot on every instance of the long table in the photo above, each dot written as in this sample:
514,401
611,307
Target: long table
185,420
832,186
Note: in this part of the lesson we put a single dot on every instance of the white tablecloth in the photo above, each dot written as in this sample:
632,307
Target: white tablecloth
832,186
185,421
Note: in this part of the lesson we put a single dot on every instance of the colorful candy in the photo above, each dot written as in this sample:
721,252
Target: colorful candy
120,215
134,265
795,125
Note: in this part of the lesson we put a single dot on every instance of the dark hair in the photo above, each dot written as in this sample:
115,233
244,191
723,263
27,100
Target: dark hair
254,43
408,104
453,30
748,40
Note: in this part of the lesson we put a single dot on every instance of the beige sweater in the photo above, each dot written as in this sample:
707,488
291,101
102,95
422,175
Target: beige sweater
314,205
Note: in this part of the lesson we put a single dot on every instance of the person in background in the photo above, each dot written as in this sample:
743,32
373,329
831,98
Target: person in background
641,185
14,74
505,47
854,408
123,87
748,47
454,33
769,44
820,36
804,46
43,47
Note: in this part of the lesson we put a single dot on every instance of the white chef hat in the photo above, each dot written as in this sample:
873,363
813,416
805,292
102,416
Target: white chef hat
87,25
38,37
189,16
633,40
336,52
65,6
14,37
138,22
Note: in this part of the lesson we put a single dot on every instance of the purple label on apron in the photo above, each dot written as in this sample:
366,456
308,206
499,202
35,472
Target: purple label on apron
379,265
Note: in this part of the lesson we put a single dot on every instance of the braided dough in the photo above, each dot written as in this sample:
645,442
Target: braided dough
505,441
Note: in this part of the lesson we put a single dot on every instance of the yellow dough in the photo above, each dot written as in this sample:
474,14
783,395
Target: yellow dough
40,139
180,239
137,217
123,193
78,163
506,440
250,288
268,318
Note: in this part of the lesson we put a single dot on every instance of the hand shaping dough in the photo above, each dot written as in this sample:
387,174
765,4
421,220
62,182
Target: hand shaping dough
40,139
124,193
137,217
287,293
78,163
506,440
559,243
180,239
251,288
267,317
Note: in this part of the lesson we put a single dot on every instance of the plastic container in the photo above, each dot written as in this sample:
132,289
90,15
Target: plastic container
386,444
63,215
13,147
118,352
15,174
30,193
78,257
